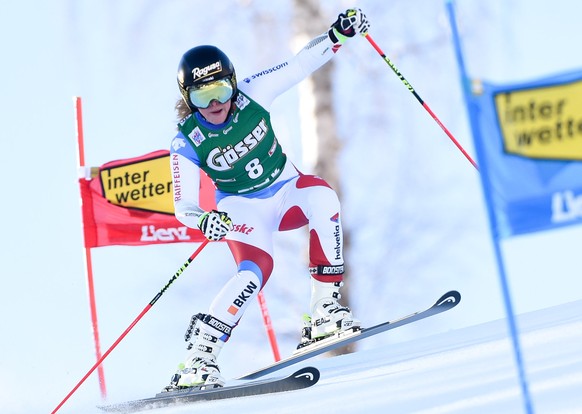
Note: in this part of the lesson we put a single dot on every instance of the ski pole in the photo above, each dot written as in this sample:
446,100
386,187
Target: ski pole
425,106
130,327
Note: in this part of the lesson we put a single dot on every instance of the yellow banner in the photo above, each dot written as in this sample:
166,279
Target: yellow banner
145,185
542,123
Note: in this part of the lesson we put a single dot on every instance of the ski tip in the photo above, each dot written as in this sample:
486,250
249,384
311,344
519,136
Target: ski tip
449,299
307,375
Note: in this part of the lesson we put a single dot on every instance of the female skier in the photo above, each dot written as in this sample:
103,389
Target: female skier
225,131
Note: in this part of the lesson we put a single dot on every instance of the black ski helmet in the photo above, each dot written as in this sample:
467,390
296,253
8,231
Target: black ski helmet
203,64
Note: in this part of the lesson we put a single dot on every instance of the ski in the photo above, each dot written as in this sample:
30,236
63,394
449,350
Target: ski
303,378
445,303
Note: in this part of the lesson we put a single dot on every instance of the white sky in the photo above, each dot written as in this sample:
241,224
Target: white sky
121,57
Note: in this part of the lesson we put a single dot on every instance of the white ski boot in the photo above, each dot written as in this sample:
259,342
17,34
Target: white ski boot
328,317
200,368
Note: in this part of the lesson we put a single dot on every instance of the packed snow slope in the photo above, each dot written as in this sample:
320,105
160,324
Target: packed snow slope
466,371
412,204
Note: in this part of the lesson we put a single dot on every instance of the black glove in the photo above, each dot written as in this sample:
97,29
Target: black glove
351,22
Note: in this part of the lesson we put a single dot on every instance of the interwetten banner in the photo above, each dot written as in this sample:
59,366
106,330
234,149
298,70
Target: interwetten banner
129,202
528,138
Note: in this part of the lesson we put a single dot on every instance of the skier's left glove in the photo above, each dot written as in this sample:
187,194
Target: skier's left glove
351,22
215,225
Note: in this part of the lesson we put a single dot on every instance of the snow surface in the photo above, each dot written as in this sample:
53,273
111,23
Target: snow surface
462,371
415,213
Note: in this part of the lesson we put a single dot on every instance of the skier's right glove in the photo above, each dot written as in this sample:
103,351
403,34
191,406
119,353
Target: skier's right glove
215,224
351,22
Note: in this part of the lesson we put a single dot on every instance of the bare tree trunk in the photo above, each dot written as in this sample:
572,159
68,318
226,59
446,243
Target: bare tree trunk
309,22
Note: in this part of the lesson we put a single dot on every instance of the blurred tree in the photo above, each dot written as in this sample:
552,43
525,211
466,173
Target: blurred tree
316,94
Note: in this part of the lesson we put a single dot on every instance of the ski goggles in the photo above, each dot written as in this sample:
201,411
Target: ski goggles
201,95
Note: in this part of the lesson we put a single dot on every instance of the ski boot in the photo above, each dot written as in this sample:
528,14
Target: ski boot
328,317
200,368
